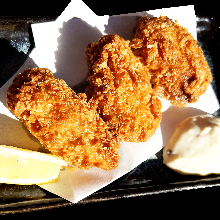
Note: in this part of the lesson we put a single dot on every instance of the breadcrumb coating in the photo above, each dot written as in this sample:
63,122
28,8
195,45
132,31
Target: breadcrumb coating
178,68
61,121
120,90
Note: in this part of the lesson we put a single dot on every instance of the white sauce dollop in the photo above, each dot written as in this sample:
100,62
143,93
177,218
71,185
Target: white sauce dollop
194,147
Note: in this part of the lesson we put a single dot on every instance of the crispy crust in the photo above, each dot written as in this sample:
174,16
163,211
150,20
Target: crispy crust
178,68
61,121
120,90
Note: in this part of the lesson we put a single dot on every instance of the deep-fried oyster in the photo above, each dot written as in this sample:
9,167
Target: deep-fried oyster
61,121
178,68
120,90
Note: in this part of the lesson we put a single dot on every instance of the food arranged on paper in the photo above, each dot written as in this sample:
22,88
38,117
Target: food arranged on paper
120,90
120,102
179,71
62,122
194,147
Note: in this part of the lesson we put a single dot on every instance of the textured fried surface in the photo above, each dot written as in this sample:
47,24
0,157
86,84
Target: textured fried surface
61,120
176,63
119,90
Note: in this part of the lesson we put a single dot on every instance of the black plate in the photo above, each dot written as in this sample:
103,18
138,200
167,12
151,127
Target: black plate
150,177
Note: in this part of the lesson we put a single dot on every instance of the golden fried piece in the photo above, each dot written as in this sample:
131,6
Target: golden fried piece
178,68
120,91
61,121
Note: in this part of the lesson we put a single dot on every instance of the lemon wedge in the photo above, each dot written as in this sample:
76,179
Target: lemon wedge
26,167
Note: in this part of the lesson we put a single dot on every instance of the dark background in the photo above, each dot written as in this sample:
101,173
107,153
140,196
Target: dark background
165,204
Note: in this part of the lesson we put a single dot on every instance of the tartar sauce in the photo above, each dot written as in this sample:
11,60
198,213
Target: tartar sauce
194,147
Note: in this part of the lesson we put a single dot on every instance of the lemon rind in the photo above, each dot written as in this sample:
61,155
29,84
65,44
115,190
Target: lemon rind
28,181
